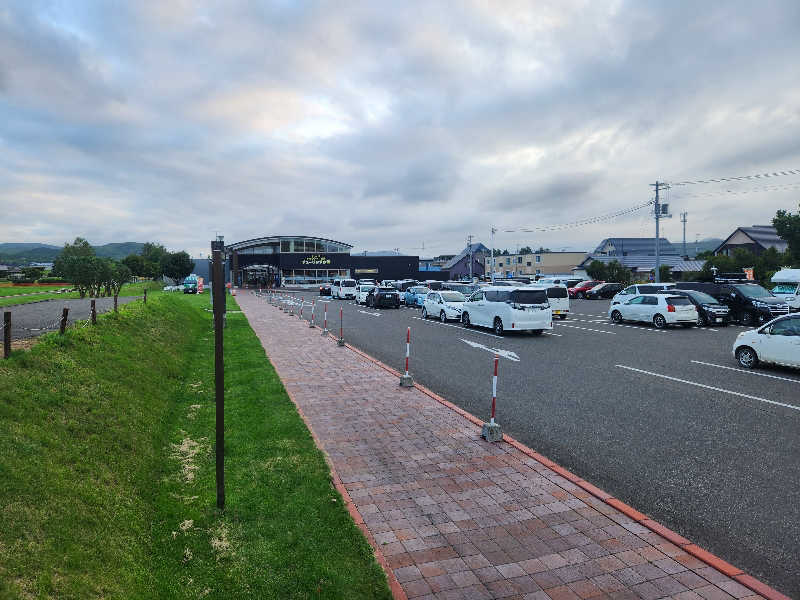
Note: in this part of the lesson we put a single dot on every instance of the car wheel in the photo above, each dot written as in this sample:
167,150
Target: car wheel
581,295
659,321
701,320
424,313
465,320
562,317
498,326
616,317
747,357
748,318
443,317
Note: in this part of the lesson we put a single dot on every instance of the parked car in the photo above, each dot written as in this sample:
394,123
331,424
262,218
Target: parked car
362,292
415,296
604,290
344,289
559,280
579,291
508,309
444,304
709,311
404,284
462,287
190,285
776,342
659,309
640,288
432,284
557,297
367,282
325,289
787,287
749,303
383,296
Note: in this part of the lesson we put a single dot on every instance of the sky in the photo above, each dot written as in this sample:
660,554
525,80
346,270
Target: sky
393,125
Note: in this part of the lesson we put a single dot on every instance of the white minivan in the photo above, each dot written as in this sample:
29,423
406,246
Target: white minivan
508,309
640,288
557,296
344,289
787,287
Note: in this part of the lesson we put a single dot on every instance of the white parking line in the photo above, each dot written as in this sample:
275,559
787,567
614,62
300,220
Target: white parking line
429,322
710,387
585,328
700,362
638,327
372,314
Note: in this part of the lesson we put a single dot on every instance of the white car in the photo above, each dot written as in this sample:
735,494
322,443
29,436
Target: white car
659,309
361,294
776,342
444,305
640,288
509,309
557,297
788,287
343,289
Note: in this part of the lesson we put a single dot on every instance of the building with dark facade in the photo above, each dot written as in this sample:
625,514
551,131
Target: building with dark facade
298,260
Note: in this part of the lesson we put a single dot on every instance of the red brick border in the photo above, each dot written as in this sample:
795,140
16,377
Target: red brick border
687,546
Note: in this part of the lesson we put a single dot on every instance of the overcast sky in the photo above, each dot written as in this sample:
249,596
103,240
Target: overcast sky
392,124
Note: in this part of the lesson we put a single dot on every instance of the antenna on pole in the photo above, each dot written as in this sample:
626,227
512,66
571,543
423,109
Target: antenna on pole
660,211
683,220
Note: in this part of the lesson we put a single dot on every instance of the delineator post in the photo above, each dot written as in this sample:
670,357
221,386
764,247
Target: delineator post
406,380
491,431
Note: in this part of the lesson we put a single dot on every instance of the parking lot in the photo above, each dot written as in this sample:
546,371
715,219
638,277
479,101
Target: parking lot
663,419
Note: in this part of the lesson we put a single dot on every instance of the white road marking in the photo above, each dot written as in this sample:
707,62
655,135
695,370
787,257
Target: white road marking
370,313
639,327
700,362
585,328
504,353
429,322
710,387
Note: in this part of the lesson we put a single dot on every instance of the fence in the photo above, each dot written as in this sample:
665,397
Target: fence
35,326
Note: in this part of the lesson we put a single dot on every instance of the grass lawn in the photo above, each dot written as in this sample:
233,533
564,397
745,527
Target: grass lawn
129,289
107,472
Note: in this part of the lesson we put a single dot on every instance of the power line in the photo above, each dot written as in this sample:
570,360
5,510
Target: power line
740,178
771,188
580,222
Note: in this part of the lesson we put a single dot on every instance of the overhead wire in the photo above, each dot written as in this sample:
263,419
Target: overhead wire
787,172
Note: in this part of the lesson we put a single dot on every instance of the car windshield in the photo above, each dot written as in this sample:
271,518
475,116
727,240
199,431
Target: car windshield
752,290
703,298
349,283
529,296
453,296
785,288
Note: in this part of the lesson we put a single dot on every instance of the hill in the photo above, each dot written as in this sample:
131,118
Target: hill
25,252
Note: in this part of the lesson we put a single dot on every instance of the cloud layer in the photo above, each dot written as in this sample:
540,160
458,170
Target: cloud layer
390,125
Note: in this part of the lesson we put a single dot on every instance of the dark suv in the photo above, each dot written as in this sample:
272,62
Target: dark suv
383,296
709,310
749,303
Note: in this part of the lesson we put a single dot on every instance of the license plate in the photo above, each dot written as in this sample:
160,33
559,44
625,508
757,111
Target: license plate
556,312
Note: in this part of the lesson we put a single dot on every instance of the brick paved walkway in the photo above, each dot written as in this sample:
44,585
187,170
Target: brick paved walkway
457,517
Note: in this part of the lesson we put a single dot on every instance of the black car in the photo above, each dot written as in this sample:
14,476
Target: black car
383,296
325,289
709,310
749,303
604,290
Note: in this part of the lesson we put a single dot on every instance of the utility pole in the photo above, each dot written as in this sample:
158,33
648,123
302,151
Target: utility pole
659,212
469,248
218,295
493,230
683,220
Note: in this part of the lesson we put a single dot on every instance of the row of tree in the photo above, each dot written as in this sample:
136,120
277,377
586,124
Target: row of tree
96,276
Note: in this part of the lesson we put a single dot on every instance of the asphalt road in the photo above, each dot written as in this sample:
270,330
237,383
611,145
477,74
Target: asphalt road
35,318
718,464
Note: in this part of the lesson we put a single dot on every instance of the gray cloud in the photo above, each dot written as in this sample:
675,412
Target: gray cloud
386,126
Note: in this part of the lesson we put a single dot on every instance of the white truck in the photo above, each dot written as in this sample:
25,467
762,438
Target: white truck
787,287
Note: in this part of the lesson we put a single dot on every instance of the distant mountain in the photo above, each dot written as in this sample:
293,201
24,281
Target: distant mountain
24,253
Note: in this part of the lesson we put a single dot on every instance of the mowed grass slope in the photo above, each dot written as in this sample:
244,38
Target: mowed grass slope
107,471
10,296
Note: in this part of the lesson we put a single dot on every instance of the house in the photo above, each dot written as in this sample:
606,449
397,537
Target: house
537,263
756,239
642,266
634,247
459,265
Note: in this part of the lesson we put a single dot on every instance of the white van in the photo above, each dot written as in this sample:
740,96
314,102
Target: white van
344,289
788,287
638,289
557,297
503,309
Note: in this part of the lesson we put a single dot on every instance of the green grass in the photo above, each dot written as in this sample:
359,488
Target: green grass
14,290
129,289
107,471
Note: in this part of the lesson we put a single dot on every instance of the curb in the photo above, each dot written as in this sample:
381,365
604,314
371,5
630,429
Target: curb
684,544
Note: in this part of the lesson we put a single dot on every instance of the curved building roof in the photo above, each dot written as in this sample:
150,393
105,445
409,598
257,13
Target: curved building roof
273,239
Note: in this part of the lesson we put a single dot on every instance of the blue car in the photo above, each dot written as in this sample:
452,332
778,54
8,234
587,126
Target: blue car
415,296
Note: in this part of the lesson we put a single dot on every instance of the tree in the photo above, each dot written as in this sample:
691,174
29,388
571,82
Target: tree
154,255
543,250
665,273
177,266
137,264
119,275
525,250
618,273
597,270
82,272
80,248
788,227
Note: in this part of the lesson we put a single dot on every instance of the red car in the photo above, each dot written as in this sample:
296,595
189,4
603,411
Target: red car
579,291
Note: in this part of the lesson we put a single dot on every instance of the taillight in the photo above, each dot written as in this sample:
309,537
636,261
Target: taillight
670,308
